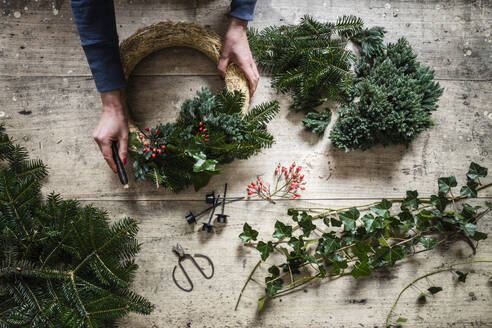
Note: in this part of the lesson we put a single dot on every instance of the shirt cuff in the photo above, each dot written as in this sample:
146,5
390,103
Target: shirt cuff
105,63
243,9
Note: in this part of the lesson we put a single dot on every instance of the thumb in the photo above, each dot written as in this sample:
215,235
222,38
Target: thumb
222,66
122,148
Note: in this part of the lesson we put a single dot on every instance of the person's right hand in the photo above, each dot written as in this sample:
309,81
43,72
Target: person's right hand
112,127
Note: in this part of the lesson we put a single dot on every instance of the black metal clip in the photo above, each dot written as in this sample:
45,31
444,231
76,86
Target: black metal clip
178,249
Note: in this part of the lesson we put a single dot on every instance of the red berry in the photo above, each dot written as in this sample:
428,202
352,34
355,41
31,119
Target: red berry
201,129
302,188
293,197
146,143
276,171
302,176
206,140
147,129
153,155
297,194
155,143
155,131
141,137
250,192
203,135
304,183
250,186
206,135
291,187
201,123
159,151
204,130
163,146
154,149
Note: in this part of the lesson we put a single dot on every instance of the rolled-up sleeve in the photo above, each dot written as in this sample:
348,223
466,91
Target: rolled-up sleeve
243,9
96,24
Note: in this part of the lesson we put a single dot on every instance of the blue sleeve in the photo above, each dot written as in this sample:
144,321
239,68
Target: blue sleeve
96,25
243,9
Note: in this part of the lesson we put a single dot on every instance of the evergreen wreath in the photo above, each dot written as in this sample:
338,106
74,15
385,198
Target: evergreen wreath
211,129
387,99
61,264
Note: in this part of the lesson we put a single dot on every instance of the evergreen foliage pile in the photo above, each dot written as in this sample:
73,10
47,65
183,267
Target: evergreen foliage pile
387,98
395,96
308,61
210,130
61,264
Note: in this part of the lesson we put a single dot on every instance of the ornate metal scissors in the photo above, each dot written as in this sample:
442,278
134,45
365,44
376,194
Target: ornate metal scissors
178,249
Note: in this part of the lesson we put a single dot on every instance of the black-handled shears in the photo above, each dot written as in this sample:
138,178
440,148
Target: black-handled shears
182,256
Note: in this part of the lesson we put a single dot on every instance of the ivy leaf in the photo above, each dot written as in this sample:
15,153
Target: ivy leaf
294,214
261,304
469,229
470,190
428,243
248,233
322,271
282,230
394,254
306,224
382,209
479,236
440,202
488,204
411,200
348,218
476,171
265,249
383,242
434,289
360,269
446,183
361,251
372,224
461,276
339,263
327,244
401,319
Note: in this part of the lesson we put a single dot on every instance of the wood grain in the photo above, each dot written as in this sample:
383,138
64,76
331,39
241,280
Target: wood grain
49,104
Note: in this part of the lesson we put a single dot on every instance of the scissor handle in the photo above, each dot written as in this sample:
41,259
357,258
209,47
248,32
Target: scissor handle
209,262
186,274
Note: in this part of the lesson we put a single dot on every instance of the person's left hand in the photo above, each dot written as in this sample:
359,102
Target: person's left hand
236,50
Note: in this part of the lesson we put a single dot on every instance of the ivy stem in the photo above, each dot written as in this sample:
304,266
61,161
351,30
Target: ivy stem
446,268
246,283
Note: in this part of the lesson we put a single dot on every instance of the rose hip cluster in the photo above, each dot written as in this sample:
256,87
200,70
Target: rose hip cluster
289,184
154,146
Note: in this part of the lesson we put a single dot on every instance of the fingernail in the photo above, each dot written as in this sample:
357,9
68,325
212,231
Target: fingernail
124,161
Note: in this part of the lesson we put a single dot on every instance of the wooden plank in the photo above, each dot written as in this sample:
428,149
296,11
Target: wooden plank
65,111
454,38
343,302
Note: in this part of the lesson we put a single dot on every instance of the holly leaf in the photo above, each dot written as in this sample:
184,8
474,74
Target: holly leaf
434,290
282,230
348,218
265,249
446,183
372,224
412,200
461,276
440,202
306,224
248,233
401,319
202,164
394,254
360,269
382,209
476,171
470,190
428,243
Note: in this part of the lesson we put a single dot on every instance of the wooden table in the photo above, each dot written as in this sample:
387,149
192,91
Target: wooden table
48,102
